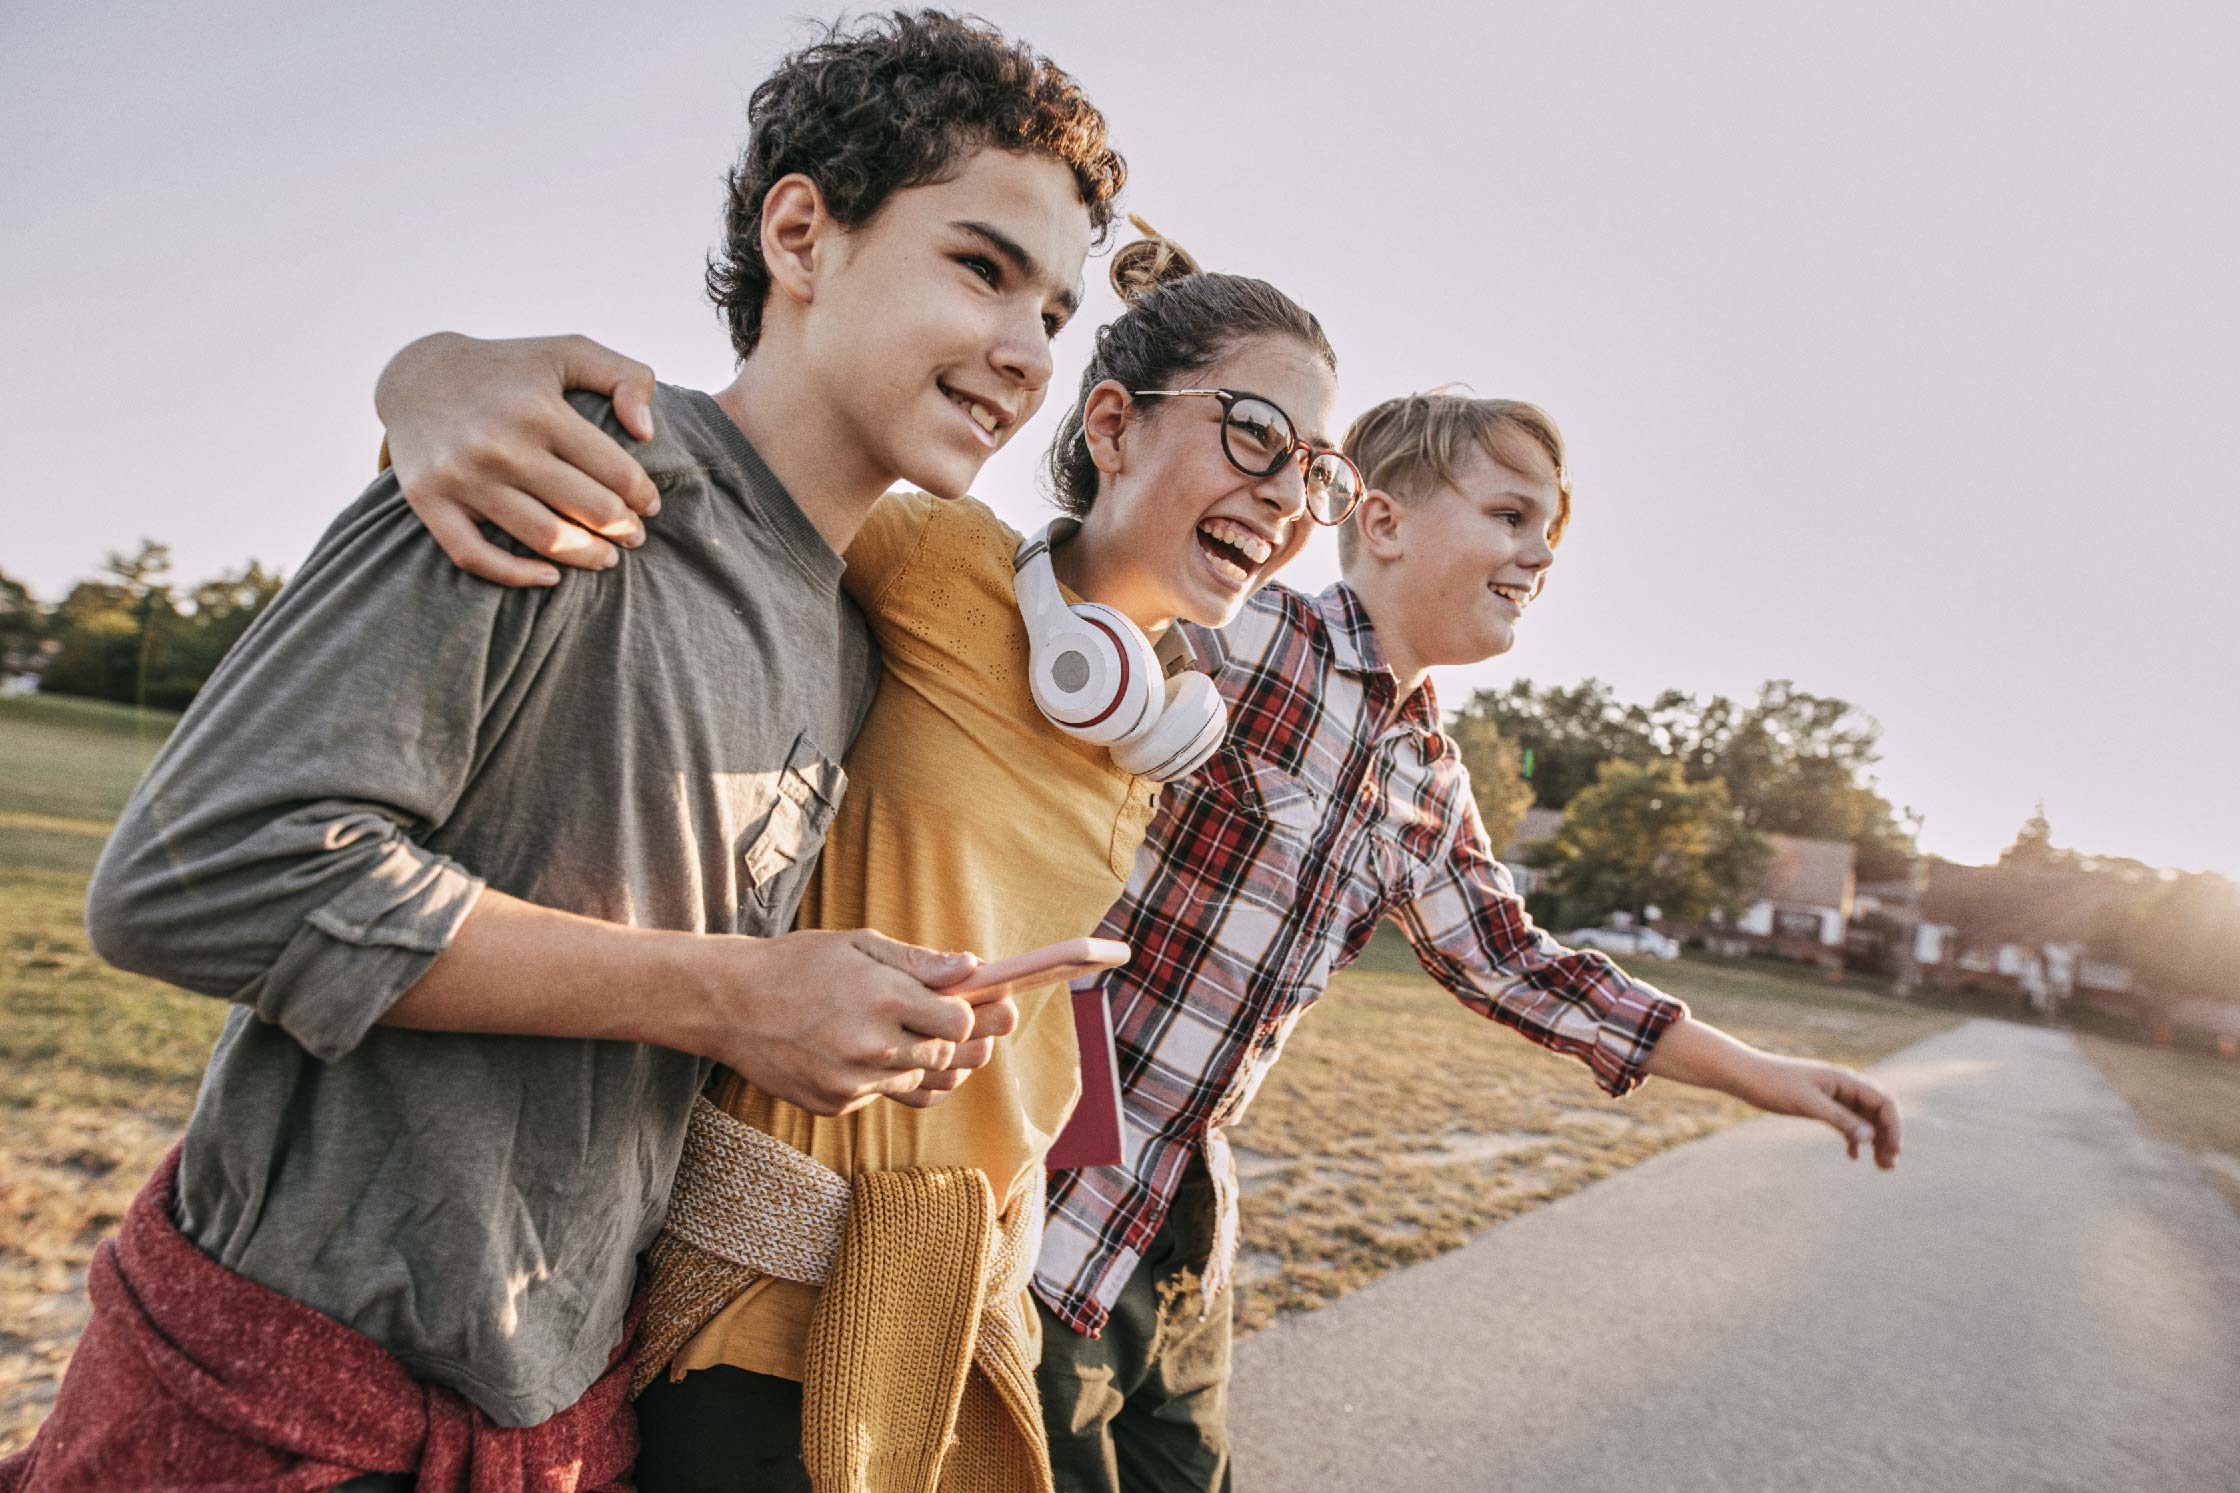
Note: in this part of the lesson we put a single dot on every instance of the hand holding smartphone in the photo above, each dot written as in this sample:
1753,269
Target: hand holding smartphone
1053,964
1092,1137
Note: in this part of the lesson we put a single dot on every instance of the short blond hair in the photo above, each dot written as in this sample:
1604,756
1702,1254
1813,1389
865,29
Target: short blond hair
1409,445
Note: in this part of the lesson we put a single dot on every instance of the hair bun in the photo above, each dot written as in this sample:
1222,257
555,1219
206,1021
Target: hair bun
1149,262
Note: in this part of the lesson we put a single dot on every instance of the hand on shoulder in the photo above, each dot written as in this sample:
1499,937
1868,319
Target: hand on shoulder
483,432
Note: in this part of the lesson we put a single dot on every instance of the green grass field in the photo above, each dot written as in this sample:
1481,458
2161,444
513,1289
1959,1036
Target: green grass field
66,768
74,759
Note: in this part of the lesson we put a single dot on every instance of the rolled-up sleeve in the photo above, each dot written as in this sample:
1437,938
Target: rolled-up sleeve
272,854
1471,933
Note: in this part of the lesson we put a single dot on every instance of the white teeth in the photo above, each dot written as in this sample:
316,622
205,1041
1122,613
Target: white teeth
1245,541
1229,568
982,416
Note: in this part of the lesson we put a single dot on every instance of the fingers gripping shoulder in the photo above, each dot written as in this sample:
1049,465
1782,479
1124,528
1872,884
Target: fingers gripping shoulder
667,456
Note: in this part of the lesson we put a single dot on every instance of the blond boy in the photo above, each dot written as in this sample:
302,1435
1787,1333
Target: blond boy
1336,803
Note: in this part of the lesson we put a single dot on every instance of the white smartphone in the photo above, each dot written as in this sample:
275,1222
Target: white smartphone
1058,963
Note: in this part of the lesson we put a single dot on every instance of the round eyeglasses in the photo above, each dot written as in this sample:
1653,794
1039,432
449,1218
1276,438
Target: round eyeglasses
1258,438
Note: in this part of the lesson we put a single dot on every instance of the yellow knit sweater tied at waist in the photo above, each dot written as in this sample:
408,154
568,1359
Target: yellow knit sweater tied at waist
918,1378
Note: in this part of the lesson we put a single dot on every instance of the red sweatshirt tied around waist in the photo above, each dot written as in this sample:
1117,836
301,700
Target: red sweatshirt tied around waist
191,1376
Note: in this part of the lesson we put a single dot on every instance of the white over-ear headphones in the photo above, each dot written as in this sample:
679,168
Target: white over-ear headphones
1097,677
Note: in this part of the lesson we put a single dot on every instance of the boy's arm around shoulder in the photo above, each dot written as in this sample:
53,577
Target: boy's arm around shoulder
553,440
483,432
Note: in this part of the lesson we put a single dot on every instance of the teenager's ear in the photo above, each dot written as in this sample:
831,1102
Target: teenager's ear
1104,416
796,228
1377,521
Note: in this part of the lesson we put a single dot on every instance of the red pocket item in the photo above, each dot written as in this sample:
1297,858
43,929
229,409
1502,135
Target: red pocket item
1092,1136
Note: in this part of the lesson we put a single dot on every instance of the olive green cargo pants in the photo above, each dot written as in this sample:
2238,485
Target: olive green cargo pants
1144,1408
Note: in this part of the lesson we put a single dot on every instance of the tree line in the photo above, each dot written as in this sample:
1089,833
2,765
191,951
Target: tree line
128,633
1668,803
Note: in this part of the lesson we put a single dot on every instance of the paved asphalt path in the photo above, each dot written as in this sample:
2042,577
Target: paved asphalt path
2040,1297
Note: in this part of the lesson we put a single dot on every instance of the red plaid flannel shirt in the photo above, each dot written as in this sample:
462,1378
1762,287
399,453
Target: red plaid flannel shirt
1322,814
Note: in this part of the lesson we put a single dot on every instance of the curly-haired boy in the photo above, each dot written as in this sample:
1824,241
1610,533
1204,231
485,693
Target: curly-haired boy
398,1244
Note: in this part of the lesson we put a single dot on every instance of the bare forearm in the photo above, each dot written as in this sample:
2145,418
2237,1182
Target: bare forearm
517,969
1858,1109
1698,1053
828,1021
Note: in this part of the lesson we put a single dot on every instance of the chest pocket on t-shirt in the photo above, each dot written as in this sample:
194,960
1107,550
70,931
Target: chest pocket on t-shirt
781,850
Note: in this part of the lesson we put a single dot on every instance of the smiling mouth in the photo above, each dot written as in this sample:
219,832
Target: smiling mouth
1234,550
982,415
1517,596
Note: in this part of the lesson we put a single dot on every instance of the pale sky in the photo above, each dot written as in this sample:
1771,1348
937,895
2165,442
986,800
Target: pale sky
1898,347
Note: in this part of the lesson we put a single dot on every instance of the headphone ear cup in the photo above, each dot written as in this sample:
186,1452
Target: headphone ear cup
1189,728
1071,671
1096,676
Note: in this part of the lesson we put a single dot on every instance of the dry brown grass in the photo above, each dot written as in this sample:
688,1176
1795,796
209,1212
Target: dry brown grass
1399,1124
2189,1099
97,1072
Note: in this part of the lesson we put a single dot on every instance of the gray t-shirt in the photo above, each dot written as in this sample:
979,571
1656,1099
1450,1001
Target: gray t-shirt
655,745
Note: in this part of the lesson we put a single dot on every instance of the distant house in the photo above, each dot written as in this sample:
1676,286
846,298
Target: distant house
2041,974
2025,932
1887,914
1804,903
1935,944
1539,825
1802,909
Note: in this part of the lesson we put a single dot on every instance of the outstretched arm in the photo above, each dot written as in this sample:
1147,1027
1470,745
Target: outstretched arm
481,432
1471,933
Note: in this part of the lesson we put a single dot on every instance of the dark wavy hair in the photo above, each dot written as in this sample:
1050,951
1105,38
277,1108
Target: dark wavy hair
1180,320
892,102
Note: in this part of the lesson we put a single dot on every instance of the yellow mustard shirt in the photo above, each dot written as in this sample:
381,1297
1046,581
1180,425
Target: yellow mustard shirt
969,822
